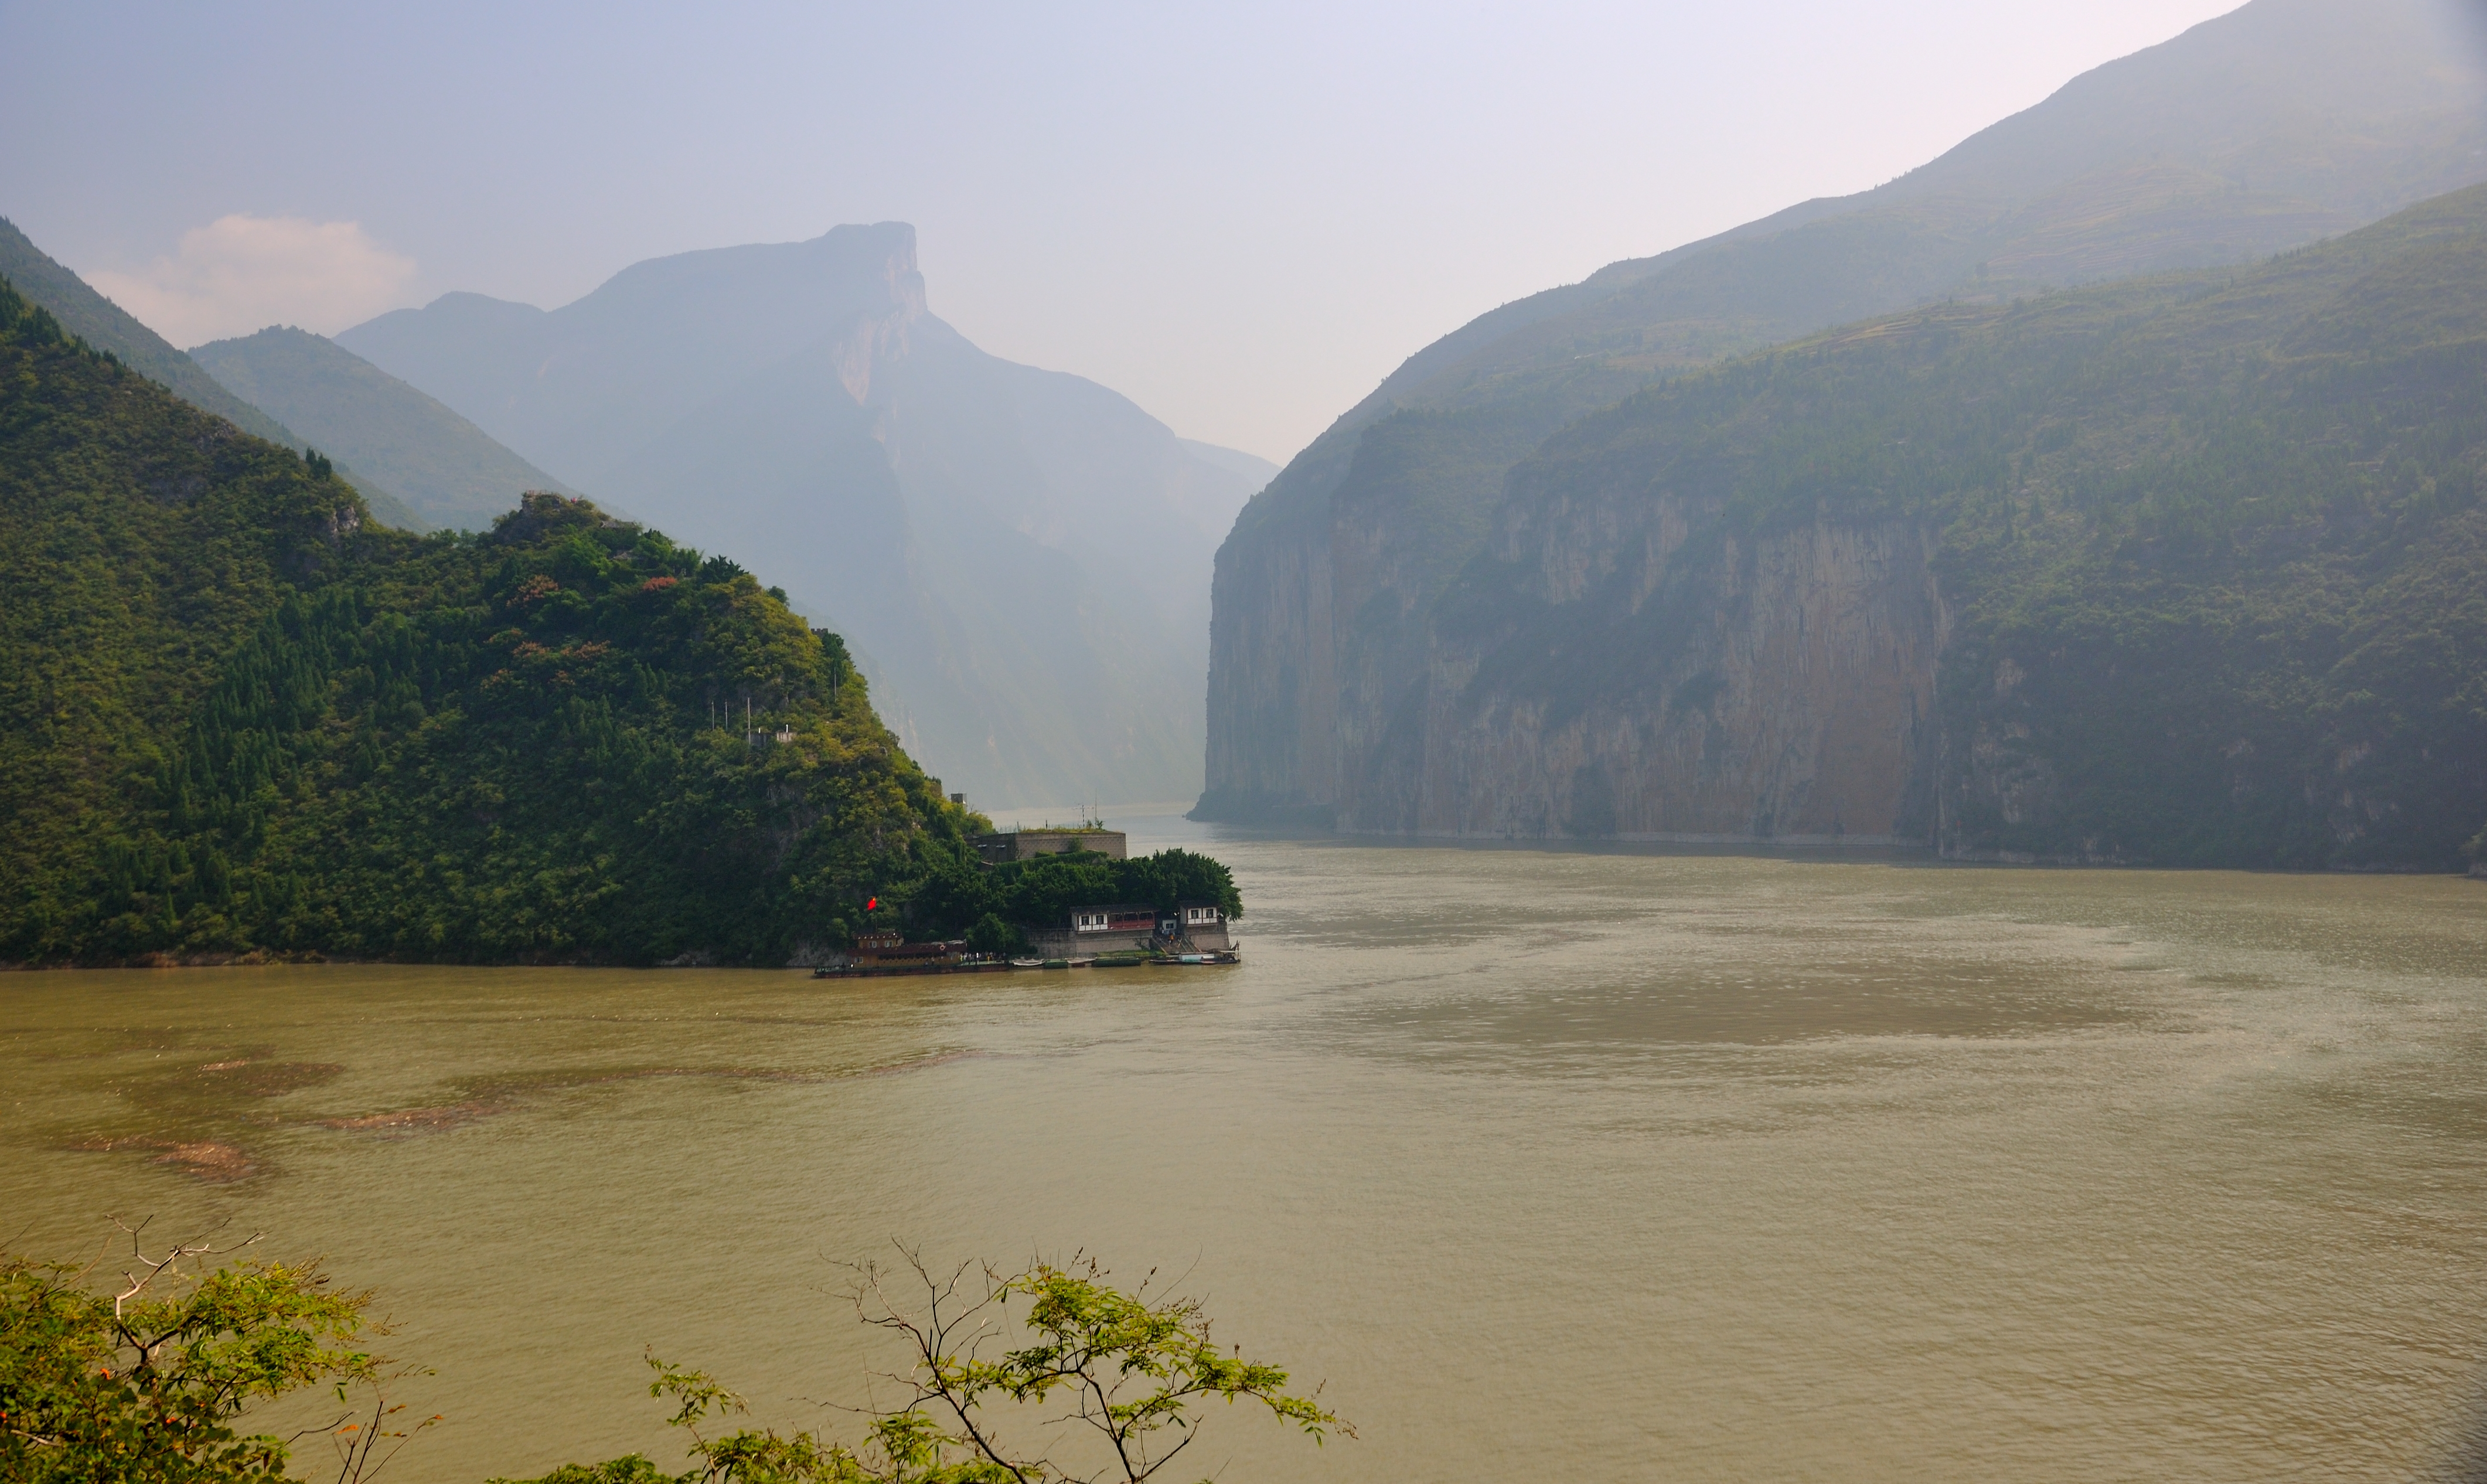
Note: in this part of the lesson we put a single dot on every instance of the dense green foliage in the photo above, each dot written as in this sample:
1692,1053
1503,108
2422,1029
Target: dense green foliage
144,540
106,327
2213,546
991,906
243,720
529,747
1042,890
147,1385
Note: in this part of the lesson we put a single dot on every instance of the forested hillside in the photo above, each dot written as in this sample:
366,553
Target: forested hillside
106,327
2186,569
243,719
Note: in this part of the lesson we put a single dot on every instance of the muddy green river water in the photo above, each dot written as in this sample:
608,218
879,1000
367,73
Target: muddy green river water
1579,1166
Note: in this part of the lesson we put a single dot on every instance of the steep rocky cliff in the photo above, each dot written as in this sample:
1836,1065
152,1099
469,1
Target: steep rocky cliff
2183,570
1777,686
2283,122
1270,670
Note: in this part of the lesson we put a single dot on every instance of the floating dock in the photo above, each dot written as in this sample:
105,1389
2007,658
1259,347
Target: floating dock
905,970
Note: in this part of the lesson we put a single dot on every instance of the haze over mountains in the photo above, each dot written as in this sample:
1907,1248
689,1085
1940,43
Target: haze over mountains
2181,569
2283,122
106,327
244,723
450,471
1021,556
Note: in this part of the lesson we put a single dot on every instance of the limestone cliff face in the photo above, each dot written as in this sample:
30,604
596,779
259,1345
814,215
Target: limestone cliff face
1326,588
877,338
2180,570
1662,678
1617,666
2280,124
1272,688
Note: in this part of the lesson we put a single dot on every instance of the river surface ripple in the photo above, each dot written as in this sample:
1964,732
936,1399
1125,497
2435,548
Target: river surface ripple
1584,1167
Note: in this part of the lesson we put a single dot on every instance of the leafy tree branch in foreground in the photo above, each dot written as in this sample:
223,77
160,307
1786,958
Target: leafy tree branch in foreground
1130,1371
145,1381
146,1377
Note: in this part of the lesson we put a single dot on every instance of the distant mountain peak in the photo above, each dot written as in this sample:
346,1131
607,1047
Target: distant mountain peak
1023,556
895,240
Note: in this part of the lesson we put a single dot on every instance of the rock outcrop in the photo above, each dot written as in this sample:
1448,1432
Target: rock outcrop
1272,698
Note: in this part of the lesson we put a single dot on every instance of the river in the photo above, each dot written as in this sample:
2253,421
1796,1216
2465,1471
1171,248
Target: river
1592,1167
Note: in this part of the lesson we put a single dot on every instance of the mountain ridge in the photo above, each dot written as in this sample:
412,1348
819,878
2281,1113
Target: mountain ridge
1315,639
247,723
2178,570
448,470
1024,551
107,326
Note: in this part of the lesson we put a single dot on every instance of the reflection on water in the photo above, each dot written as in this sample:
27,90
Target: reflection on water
1582,1165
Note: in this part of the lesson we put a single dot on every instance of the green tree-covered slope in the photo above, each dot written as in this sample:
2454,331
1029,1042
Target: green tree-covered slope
242,718
2211,550
107,326
452,473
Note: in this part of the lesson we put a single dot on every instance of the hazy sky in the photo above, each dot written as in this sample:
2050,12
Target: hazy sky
1241,216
